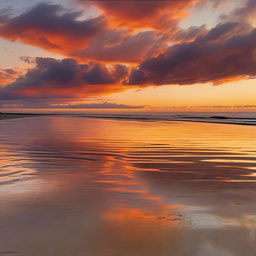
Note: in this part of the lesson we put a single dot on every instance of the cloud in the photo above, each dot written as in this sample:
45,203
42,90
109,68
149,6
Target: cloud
210,58
190,34
224,53
143,14
216,4
121,46
65,78
51,27
107,105
7,76
217,56
225,31
27,59
245,13
55,29
52,105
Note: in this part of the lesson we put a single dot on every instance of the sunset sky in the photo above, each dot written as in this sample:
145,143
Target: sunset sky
158,54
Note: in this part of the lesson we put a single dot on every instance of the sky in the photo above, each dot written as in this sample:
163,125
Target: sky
128,54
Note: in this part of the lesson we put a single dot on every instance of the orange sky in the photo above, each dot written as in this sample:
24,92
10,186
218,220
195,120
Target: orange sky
158,54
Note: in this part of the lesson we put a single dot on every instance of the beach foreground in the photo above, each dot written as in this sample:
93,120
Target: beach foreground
84,186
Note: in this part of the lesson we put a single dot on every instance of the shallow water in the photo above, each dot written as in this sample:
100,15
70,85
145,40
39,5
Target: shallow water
94,187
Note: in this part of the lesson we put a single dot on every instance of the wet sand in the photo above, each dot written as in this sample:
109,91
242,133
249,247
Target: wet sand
80,186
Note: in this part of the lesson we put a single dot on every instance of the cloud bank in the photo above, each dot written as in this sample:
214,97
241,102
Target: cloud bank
65,78
208,58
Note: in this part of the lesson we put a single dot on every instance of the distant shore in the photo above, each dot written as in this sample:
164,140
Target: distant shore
4,116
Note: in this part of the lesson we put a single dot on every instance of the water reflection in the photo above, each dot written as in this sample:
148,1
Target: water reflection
77,186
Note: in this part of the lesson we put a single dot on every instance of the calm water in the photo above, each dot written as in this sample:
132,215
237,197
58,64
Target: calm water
72,186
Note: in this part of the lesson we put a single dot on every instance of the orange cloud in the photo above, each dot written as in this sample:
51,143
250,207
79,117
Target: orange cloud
7,76
121,46
143,14
43,26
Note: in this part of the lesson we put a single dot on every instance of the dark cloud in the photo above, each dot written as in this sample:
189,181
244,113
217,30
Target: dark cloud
224,31
65,78
221,32
51,27
207,59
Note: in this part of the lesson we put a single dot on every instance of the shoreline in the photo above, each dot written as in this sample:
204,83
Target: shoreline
5,116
